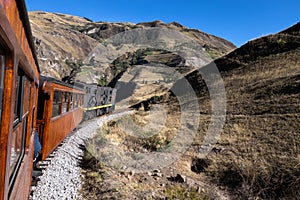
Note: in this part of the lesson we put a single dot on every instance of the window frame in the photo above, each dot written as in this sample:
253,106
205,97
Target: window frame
57,102
19,98
20,124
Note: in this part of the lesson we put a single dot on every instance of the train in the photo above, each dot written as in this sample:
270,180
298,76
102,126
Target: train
62,106
32,104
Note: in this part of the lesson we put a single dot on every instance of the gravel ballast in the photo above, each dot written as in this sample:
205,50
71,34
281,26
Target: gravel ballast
61,178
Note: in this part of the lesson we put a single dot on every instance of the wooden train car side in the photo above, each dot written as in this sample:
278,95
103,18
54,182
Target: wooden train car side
59,112
19,75
30,103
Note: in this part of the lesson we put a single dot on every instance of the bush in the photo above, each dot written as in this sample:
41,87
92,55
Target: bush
260,177
184,193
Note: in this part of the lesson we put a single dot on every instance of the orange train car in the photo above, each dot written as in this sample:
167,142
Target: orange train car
19,79
59,112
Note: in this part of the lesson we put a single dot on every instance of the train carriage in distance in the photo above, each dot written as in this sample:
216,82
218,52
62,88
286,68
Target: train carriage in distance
97,100
59,112
19,79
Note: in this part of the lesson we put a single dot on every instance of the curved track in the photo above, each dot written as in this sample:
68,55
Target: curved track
61,178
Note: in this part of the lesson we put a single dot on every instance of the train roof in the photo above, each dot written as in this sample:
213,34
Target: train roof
83,85
53,80
77,84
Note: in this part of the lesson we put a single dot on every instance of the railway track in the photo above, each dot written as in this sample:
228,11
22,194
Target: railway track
61,177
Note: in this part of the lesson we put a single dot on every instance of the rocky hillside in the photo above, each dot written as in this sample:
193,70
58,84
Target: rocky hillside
64,43
256,156
59,46
260,75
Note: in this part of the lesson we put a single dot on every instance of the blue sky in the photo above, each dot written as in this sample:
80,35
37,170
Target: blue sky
235,20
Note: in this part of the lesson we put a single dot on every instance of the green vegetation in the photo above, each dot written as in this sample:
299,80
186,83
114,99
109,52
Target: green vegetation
74,65
102,81
183,193
281,41
214,54
155,99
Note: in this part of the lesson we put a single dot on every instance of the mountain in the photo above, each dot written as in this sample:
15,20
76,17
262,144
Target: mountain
261,75
257,154
66,43
246,144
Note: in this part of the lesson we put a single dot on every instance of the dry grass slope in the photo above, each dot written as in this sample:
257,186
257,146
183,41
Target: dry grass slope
260,143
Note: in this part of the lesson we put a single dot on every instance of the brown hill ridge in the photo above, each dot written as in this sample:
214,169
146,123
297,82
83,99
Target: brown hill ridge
63,41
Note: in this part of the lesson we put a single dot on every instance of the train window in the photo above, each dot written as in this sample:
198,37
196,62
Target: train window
80,100
34,95
71,101
21,112
75,100
33,105
19,97
2,68
26,95
66,102
17,149
56,105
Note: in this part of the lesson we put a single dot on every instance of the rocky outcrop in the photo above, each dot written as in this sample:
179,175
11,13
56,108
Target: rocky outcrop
57,43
